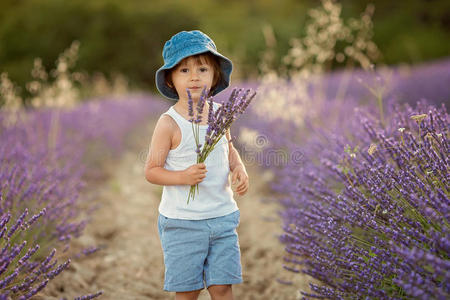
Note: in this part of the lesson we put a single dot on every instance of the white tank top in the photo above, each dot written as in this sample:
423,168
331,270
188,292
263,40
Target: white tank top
214,197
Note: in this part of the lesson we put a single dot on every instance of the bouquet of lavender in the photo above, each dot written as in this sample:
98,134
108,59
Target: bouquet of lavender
218,122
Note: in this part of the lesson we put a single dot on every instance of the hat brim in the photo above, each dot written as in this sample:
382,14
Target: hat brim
226,67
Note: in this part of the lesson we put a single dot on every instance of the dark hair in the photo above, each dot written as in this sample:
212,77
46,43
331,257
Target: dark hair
207,57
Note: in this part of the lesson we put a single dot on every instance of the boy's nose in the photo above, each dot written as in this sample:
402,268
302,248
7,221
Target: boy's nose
194,75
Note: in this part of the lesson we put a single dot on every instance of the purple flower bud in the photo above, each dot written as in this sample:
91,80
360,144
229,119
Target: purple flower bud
90,296
18,223
8,279
190,104
35,217
29,253
35,290
58,270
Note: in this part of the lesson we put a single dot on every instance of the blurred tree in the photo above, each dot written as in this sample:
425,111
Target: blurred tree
128,36
408,31
113,39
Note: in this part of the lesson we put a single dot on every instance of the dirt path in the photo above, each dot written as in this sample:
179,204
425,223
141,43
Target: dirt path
130,266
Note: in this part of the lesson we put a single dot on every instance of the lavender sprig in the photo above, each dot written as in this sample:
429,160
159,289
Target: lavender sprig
90,296
195,122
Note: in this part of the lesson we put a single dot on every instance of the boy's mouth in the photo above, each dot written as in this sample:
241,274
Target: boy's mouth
194,88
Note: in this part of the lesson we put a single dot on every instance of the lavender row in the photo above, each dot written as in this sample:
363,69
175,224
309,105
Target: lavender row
368,214
42,167
405,84
366,201
22,276
365,225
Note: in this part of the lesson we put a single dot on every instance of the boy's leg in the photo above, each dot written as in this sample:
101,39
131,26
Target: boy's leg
192,295
223,263
221,292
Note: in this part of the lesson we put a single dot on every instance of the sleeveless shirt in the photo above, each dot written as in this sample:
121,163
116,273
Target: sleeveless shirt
214,197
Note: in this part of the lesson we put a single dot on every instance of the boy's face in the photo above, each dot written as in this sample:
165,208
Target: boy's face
193,74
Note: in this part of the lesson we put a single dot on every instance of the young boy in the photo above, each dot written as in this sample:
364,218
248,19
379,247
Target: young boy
199,239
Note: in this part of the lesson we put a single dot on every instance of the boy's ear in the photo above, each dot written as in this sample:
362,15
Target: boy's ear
169,82
168,79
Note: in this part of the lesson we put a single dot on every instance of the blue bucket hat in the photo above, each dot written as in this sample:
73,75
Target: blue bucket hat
182,45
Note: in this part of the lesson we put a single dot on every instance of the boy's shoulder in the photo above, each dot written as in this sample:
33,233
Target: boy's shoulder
166,122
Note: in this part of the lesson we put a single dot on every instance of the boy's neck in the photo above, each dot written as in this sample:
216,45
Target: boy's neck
182,105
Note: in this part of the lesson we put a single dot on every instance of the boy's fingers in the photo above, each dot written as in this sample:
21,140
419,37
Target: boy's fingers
242,185
242,182
234,178
240,193
241,190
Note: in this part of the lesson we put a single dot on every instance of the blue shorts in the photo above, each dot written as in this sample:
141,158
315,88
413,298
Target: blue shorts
200,252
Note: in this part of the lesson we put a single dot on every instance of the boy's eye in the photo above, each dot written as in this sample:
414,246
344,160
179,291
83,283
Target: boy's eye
203,69
184,70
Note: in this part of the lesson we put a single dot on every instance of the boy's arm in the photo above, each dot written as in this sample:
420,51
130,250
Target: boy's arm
240,176
233,155
157,154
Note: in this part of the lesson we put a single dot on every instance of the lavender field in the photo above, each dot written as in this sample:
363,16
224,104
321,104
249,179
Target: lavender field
362,179
348,162
349,192
47,158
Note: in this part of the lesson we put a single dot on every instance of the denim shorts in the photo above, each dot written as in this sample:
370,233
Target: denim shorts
199,253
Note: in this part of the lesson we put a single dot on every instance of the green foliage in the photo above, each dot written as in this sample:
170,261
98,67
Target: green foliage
408,31
112,39
128,36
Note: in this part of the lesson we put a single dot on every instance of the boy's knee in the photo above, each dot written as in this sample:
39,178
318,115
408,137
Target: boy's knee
219,290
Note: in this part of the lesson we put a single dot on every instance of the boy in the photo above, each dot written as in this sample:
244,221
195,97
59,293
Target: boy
199,239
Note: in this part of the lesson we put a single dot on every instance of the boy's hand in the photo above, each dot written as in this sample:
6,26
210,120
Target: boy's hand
240,178
195,173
